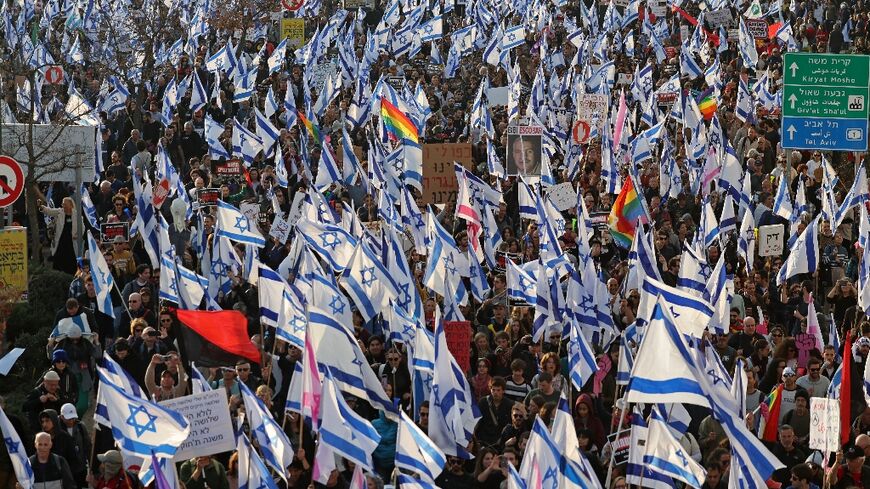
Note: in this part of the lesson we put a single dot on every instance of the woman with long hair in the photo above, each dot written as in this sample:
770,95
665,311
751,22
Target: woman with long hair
773,375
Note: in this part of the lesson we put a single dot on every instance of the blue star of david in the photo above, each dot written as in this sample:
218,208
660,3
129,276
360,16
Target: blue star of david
705,270
420,222
674,313
173,287
329,239
262,430
357,362
716,378
368,276
408,331
550,474
512,37
133,420
219,268
242,224
337,305
263,484
448,264
436,396
524,284
405,296
586,303
429,28
560,225
298,324
682,458
11,445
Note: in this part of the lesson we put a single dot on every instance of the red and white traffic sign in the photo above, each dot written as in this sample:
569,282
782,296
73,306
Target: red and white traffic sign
292,5
11,181
54,75
581,132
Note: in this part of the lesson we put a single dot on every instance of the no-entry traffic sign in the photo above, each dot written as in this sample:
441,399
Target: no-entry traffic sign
11,181
292,5
54,75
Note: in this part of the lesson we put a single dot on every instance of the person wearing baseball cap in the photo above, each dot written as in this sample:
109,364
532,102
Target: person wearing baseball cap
111,471
852,473
69,420
46,396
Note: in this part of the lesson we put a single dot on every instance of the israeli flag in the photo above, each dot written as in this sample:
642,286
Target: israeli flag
141,427
102,277
253,473
66,325
665,454
368,282
232,224
521,285
513,37
804,256
17,454
416,452
274,445
343,431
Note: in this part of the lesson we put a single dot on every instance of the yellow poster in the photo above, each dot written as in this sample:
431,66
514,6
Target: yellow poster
13,259
294,31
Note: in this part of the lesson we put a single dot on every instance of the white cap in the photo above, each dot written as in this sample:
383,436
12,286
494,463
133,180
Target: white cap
68,411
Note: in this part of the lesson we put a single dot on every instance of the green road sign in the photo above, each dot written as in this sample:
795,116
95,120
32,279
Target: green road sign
830,91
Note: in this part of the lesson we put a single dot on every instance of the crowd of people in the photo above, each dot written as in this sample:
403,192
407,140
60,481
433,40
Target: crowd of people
514,378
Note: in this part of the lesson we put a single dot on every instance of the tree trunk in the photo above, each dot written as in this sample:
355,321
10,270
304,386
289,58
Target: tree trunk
33,220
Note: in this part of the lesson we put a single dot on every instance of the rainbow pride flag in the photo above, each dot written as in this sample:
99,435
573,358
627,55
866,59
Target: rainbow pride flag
397,123
624,214
707,104
769,425
313,130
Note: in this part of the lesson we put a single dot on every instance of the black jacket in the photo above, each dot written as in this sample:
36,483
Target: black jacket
56,469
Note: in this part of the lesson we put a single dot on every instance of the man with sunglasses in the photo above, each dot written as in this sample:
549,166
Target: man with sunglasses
454,475
814,382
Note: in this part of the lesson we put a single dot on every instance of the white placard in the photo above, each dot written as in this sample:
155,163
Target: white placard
563,196
497,96
296,208
771,240
211,430
824,424
719,17
591,112
251,210
280,229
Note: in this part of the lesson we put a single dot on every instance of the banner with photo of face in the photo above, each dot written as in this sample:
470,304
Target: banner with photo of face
524,150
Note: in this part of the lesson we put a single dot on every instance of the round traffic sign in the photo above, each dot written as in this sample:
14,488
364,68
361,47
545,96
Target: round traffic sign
11,181
580,132
54,75
292,5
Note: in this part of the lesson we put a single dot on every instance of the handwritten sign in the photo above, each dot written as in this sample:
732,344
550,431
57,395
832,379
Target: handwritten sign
458,334
771,240
563,196
294,31
208,196
824,424
111,230
439,177
13,260
756,27
720,17
280,228
805,343
211,430
251,210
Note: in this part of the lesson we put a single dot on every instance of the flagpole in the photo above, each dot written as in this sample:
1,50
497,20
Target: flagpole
115,284
618,429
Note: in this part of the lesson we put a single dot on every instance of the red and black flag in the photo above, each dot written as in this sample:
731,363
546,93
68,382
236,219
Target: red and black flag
216,338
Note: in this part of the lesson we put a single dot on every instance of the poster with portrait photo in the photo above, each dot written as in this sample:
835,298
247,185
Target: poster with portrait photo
524,150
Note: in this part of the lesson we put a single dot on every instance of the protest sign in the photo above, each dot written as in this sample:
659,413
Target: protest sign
757,27
296,208
563,196
294,31
497,96
13,261
208,196
111,230
771,240
805,343
621,444
458,335
720,17
439,176
251,210
228,168
211,430
592,112
280,228
824,424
